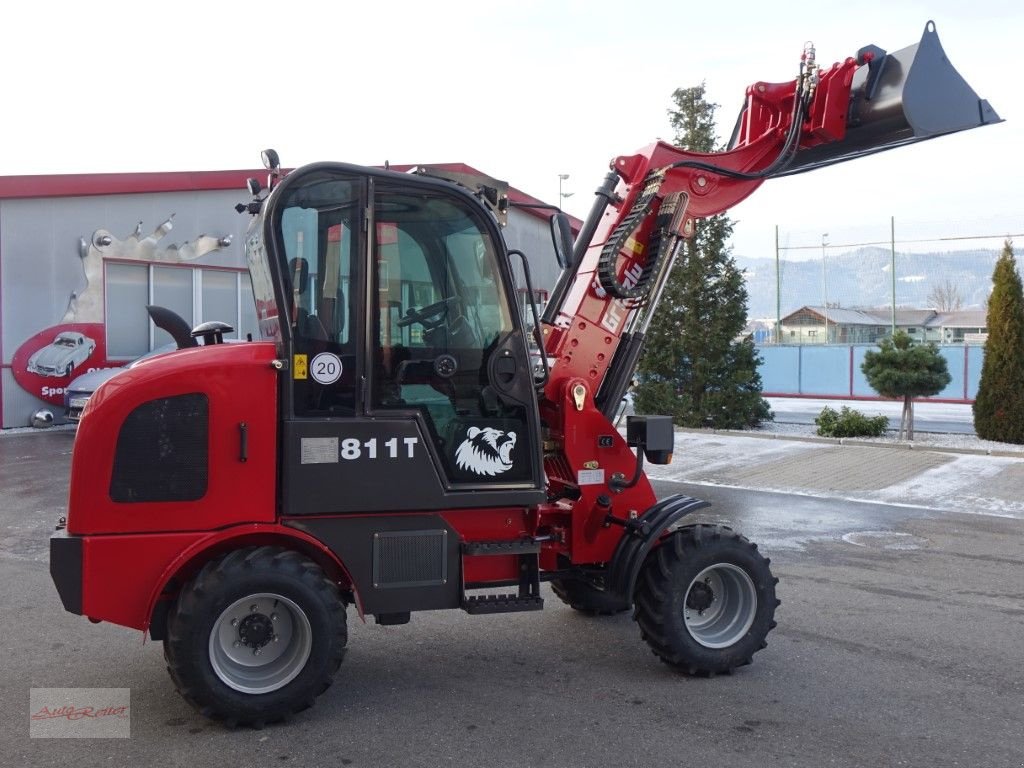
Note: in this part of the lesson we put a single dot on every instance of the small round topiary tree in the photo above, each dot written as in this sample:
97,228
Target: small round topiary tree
999,404
901,368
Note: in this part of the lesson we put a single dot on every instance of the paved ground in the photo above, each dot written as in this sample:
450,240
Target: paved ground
941,480
899,641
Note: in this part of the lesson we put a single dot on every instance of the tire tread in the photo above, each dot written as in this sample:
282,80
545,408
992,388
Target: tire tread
656,585
213,578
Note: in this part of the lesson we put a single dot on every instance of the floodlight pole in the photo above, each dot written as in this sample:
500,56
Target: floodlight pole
562,195
824,284
892,268
778,291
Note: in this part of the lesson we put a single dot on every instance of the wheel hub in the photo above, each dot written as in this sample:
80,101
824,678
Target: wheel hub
256,630
721,603
701,597
260,643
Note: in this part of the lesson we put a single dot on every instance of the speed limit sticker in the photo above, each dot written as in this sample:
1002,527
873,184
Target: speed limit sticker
325,368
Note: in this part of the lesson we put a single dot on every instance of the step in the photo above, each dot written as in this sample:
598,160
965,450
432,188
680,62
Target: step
501,547
501,603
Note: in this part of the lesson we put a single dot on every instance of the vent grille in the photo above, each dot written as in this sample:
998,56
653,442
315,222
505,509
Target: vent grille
162,451
557,467
410,558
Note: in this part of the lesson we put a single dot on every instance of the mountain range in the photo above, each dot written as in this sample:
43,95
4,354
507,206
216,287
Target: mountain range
862,279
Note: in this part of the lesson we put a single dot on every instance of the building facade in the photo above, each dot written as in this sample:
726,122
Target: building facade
81,256
832,325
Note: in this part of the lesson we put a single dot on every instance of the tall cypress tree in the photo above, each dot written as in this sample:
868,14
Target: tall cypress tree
999,405
694,366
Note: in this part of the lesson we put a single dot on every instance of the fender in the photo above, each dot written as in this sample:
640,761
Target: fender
639,539
190,559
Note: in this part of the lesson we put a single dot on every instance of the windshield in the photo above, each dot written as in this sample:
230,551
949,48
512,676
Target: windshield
262,282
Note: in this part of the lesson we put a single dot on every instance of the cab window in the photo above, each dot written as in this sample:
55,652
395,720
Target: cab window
318,224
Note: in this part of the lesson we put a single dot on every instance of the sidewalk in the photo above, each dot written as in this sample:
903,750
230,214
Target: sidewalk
941,479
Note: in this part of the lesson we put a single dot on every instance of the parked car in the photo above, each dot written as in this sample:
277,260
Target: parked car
62,355
78,392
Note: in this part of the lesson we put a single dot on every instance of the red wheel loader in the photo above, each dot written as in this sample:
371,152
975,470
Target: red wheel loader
391,445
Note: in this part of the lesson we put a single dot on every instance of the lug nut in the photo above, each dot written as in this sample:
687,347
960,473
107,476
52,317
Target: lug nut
273,617
237,644
234,622
253,608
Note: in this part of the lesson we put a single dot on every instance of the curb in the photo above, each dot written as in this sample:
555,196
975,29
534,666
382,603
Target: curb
19,431
909,446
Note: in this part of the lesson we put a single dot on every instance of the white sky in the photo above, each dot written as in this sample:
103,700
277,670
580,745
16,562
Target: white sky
522,90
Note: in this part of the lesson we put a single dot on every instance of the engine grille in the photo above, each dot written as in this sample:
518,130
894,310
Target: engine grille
162,451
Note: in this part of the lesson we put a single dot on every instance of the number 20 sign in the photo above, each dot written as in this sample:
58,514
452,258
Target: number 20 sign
325,368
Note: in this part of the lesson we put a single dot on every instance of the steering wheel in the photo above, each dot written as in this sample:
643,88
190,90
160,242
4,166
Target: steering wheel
430,316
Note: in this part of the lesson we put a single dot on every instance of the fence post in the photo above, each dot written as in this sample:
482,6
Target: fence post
966,368
800,369
851,370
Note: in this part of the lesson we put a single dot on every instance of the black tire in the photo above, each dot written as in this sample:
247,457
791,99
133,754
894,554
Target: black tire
585,598
683,620
311,612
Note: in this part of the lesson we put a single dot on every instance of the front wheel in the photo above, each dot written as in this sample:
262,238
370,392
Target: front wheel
705,600
256,636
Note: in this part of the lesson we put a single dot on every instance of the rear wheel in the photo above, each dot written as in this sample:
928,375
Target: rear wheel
705,600
256,636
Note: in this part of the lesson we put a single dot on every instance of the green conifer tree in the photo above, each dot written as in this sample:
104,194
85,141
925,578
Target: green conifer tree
999,405
695,366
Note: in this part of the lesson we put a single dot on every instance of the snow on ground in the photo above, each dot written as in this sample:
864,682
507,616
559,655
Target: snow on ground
955,441
937,471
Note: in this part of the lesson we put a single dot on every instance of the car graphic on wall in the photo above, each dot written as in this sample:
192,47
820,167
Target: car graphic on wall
81,388
61,356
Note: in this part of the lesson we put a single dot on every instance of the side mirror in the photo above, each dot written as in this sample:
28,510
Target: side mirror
561,238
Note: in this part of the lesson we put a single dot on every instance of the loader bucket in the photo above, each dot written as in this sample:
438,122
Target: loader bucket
900,98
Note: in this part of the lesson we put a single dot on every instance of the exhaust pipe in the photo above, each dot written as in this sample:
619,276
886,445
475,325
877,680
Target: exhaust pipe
174,324
900,98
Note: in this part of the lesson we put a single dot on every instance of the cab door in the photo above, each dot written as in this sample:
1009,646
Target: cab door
447,343
409,384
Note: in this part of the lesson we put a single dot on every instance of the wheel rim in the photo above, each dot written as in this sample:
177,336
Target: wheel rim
260,643
720,605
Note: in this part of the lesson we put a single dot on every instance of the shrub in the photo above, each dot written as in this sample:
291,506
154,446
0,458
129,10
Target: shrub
849,423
